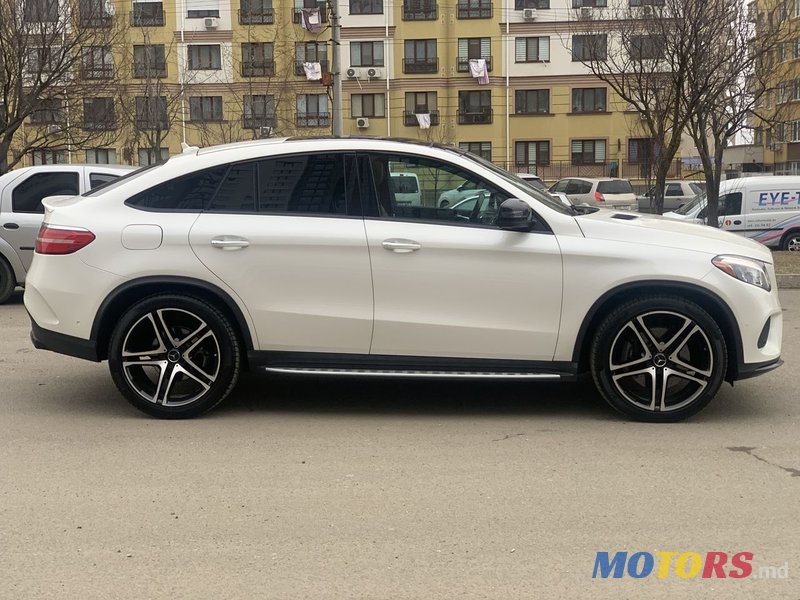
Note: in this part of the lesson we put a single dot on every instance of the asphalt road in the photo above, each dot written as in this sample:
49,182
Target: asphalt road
330,489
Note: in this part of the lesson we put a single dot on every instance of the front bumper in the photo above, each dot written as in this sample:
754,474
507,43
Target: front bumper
747,371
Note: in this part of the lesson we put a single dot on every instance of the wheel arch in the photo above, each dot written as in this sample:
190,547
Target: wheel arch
707,300
10,256
786,234
130,292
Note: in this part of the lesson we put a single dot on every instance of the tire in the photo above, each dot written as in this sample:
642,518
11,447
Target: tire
658,358
174,356
8,281
791,241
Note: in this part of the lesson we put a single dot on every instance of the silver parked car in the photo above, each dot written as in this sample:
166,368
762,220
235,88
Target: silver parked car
677,192
605,192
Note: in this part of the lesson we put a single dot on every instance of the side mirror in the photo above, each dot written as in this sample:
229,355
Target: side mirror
515,215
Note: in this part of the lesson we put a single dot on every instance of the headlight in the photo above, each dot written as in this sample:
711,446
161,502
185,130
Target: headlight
749,270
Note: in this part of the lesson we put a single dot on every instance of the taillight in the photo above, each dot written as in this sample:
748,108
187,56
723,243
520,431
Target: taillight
599,197
53,239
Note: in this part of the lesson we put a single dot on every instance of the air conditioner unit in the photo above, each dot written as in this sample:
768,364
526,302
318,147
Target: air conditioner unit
53,129
529,14
362,122
352,73
374,73
586,12
211,22
265,132
647,10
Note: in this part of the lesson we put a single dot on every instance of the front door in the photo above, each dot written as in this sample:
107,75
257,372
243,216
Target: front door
447,281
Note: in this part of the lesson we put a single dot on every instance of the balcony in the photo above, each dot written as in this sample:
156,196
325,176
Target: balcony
313,120
100,124
264,68
147,14
265,16
148,124
475,116
463,63
97,72
95,21
298,66
323,14
258,121
420,65
145,71
474,10
419,11
410,118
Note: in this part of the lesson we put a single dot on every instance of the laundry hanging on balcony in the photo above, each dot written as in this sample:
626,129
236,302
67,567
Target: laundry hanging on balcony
313,71
311,20
478,70
424,120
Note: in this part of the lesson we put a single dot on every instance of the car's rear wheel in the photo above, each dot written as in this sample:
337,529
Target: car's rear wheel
658,358
791,242
7,280
174,356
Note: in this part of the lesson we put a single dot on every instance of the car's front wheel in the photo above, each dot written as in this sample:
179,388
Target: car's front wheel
174,356
791,242
658,358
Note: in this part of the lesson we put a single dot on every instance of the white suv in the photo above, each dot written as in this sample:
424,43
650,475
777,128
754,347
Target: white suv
294,256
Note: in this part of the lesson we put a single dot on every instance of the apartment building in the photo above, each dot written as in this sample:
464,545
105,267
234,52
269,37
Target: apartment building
214,71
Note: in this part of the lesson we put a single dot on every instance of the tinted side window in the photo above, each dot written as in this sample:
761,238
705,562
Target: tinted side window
238,191
561,186
27,196
674,189
98,179
730,204
190,193
311,184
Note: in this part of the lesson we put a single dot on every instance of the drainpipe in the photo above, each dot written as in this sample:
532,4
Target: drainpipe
182,64
387,49
508,92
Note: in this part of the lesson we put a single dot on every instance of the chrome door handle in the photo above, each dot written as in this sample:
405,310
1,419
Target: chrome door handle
229,243
401,246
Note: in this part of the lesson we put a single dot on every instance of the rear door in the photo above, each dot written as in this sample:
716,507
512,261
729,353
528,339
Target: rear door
287,235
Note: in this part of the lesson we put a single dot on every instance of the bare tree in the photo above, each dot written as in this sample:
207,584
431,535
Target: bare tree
54,56
736,66
642,53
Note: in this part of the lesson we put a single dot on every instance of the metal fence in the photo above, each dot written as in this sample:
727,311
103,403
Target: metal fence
556,170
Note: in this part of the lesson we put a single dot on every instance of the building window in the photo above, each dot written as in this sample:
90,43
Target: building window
482,149
532,49
97,62
44,60
587,100
149,61
472,48
205,57
101,156
147,14
152,156
420,56
531,154
93,13
530,102
523,4
48,157
366,7
151,113
48,112
200,9
98,114
474,107
419,10
299,5
257,60
312,110
256,12
589,47
588,152
259,111
205,108
647,2
310,52
40,11
474,9
366,54
647,47
367,105
420,103
589,3
641,150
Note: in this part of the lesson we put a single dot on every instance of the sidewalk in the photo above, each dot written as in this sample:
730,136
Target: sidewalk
787,268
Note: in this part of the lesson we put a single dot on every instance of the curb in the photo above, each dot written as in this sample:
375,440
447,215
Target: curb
788,281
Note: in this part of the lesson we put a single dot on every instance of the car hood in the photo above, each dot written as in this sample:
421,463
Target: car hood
653,230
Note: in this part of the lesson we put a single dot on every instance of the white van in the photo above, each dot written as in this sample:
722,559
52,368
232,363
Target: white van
764,209
406,189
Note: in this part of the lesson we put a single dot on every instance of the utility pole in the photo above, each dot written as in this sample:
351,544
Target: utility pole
336,68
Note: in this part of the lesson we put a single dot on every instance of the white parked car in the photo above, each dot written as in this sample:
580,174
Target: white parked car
604,192
293,256
21,210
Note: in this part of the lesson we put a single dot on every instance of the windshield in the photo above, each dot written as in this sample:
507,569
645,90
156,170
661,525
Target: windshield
690,206
102,189
620,186
541,196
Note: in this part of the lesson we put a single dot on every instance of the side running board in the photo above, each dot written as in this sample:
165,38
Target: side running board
415,373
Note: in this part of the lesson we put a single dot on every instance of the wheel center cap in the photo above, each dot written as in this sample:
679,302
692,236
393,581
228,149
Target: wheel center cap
173,356
660,360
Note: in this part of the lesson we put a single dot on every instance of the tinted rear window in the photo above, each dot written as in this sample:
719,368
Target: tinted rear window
615,187
190,192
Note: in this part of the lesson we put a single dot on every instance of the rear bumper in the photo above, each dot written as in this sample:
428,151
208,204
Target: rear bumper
44,339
